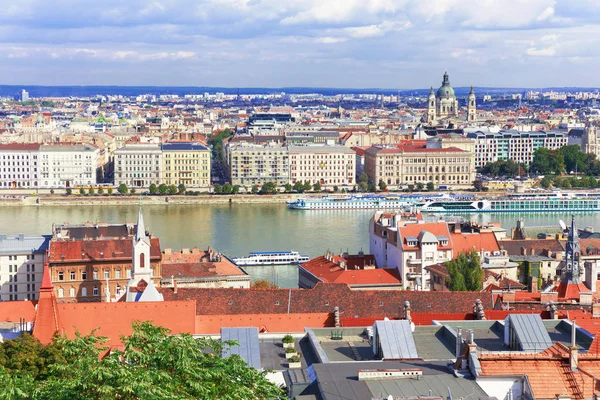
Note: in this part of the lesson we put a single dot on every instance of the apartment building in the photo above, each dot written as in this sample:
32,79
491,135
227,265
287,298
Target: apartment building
411,164
139,165
254,164
22,260
514,145
328,165
19,165
68,165
186,163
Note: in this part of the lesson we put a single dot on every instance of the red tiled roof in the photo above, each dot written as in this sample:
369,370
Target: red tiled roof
19,146
47,321
212,324
87,250
436,228
331,272
570,291
322,299
114,319
466,242
13,311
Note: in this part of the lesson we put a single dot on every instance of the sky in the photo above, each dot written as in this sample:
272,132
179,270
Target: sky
394,44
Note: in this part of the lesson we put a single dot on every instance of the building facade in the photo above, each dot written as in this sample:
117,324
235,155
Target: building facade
22,260
443,103
69,165
589,140
327,165
514,145
413,164
139,165
186,163
19,166
94,262
255,164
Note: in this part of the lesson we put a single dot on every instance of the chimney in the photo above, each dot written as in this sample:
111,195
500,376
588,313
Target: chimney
532,284
174,287
336,316
407,311
458,342
573,350
471,341
551,307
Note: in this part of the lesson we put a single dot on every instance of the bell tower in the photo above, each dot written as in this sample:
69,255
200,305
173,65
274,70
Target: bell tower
140,268
471,107
431,107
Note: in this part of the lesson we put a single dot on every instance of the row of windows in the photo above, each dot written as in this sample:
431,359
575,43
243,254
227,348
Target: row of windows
106,275
15,258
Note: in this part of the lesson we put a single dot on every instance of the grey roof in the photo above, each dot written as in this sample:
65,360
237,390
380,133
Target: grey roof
67,147
320,149
411,238
339,381
248,348
530,332
183,146
22,244
396,340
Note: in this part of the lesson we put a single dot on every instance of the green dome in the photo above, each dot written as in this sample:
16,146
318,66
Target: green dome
445,90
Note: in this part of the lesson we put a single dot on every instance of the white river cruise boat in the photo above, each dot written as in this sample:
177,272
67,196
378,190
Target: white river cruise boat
521,203
271,258
366,202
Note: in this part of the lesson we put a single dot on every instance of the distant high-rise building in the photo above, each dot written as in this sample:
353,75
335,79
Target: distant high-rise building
24,95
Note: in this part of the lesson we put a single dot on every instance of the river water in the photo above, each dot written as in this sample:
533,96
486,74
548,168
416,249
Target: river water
238,229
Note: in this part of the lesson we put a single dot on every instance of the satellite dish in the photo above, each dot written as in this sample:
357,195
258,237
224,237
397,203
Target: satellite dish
562,225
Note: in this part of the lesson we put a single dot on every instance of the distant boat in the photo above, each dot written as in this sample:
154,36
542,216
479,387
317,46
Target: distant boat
271,258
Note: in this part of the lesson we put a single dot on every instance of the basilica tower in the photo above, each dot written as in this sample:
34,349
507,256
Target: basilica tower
471,107
431,107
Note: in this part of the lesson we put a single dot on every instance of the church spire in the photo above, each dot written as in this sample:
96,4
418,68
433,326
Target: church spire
141,229
572,254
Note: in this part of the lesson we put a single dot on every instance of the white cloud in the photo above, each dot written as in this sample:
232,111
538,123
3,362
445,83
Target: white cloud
541,52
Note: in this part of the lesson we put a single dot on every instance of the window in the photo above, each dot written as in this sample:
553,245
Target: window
72,292
61,292
72,275
83,291
95,291
32,267
118,274
106,274
61,276
83,275
118,290
95,274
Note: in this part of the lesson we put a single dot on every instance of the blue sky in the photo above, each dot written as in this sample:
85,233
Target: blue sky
400,44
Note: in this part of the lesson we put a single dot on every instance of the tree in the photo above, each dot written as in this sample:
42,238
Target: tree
478,185
372,188
81,190
51,191
91,191
430,186
264,284
254,189
227,188
172,189
420,186
363,178
132,190
363,186
122,189
110,190
575,159
546,182
546,161
100,190
180,188
218,189
153,188
382,185
235,189
317,187
298,187
335,189
152,364
465,272
288,187
69,191
411,188
268,188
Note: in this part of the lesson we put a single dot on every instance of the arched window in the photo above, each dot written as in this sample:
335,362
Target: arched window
142,258
61,292
83,291
72,292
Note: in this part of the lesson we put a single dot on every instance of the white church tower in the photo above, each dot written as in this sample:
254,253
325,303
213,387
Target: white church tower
140,286
471,107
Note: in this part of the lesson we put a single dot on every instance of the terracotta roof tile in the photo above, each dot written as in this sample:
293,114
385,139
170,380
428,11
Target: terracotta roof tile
101,249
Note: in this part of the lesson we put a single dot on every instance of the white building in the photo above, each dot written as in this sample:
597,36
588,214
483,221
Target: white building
139,165
22,260
19,165
68,165
328,165
514,145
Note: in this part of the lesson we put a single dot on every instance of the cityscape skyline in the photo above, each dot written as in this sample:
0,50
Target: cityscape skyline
332,44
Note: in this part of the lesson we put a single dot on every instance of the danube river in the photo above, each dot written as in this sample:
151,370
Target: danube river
239,229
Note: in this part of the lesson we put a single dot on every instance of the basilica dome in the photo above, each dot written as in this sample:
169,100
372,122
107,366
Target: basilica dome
445,91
